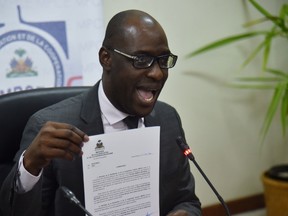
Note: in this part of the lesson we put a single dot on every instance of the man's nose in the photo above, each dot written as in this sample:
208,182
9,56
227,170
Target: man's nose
155,72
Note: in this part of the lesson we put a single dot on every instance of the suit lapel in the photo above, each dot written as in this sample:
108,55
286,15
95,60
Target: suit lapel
151,120
91,113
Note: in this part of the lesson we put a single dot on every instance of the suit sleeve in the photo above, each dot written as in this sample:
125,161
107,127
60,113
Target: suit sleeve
21,204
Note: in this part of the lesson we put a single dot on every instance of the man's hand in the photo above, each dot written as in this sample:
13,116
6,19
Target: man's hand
178,213
54,140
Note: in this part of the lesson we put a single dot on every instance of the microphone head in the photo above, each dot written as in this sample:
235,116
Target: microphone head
69,195
72,198
183,146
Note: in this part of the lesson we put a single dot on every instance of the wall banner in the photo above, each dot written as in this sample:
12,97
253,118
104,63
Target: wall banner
44,44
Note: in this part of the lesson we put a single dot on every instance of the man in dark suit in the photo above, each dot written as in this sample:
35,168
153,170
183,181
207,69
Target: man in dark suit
135,58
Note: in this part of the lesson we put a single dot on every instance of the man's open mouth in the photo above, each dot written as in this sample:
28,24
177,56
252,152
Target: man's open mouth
146,94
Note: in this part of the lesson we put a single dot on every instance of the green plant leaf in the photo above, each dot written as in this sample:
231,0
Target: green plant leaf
260,79
283,13
225,41
260,9
253,54
276,20
255,22
278,93
266,52
250,86
280,73
284,109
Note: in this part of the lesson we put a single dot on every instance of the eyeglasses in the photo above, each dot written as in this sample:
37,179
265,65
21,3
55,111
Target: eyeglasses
146,61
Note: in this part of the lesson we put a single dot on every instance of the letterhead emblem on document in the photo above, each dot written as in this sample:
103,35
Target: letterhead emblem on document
99,146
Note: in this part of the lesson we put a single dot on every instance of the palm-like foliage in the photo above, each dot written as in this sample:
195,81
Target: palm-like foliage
274,78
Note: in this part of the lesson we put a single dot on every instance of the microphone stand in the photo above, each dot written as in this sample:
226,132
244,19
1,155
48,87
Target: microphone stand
85,210
187,151
212,187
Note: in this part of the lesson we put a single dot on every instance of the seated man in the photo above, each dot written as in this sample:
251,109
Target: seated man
135,58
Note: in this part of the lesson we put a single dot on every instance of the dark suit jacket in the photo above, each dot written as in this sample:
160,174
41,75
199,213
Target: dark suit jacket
83,111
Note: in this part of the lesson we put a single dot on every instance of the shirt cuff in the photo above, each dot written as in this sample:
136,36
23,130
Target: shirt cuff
25,181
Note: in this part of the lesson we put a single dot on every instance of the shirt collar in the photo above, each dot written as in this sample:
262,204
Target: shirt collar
109,112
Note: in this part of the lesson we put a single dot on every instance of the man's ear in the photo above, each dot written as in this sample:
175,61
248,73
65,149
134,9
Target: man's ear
105,58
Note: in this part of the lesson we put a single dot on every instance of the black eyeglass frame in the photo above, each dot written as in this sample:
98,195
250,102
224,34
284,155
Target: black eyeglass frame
153,59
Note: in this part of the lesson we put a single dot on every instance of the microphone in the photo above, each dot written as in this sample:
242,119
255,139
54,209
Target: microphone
188,153
71,196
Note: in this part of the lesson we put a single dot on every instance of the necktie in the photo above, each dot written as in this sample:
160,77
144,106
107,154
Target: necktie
131,121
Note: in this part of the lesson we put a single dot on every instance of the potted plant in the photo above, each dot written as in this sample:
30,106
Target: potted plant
270,78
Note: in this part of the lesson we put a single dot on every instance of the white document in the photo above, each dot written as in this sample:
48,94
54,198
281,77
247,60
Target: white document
121,173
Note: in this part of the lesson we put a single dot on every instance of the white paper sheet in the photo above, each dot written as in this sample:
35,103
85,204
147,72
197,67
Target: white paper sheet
121,173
